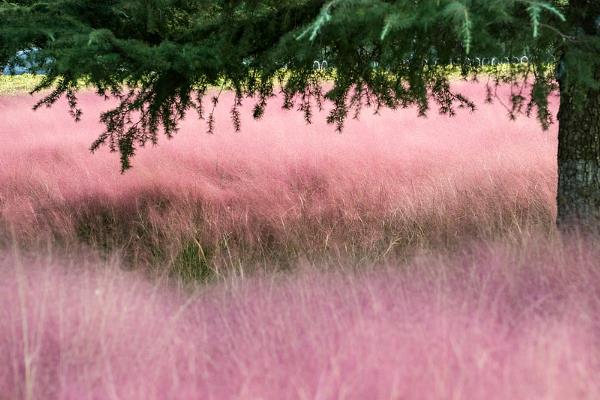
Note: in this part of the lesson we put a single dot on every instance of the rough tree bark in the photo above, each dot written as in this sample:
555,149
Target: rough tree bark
578,197
579,160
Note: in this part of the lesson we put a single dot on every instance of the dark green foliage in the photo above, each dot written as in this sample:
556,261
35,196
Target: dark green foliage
161,58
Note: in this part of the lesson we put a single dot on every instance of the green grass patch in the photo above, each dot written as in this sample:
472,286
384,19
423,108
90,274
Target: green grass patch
21,84
18,84
193,263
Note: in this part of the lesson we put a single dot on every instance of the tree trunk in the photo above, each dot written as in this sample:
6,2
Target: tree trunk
578,195
579,159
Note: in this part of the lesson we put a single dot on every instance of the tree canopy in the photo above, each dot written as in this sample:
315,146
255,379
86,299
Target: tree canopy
161,58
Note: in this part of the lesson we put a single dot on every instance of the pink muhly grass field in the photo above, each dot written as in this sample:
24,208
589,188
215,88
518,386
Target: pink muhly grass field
278,188
498,322
510,312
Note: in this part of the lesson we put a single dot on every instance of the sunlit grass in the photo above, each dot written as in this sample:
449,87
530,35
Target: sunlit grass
18,84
